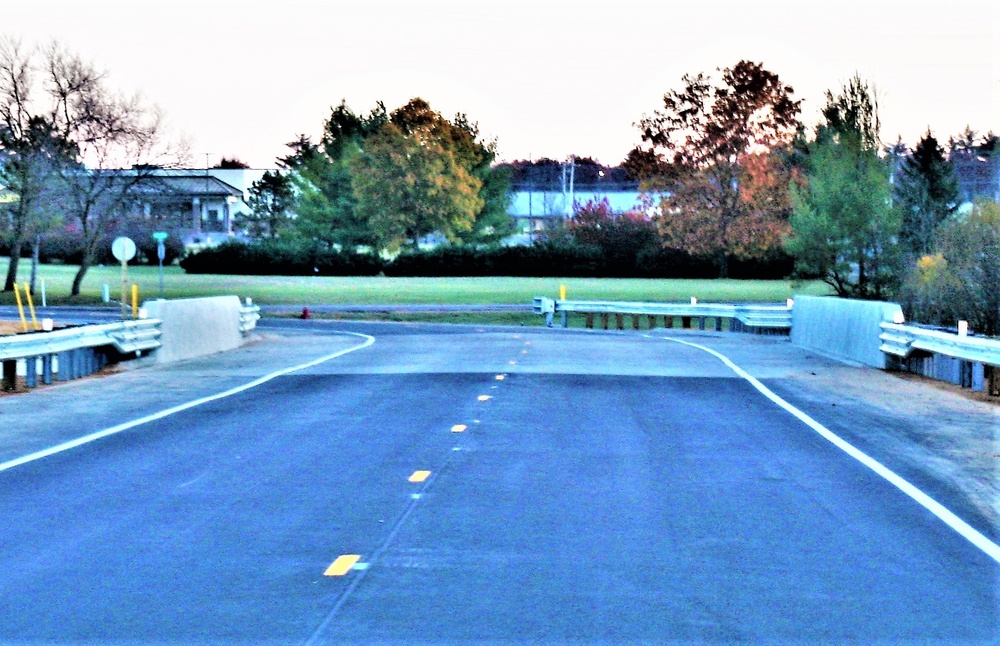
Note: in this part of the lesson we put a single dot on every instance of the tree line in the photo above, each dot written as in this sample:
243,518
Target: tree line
734,173
730,174
384,181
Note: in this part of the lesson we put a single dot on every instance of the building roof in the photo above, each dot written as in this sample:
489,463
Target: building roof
188,186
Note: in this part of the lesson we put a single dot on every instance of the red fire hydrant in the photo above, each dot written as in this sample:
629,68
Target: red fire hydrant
305,313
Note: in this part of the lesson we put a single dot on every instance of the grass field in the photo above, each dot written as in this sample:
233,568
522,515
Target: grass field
292,290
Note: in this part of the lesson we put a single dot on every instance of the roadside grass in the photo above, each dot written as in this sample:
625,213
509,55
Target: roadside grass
378,290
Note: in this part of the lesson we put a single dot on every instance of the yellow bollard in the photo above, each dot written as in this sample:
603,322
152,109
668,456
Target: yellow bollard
31,307
135,301
20,307
562,292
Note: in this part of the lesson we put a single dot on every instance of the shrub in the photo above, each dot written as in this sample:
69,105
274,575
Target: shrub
280,258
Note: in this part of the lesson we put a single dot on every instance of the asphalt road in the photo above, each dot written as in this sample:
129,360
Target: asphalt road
457,485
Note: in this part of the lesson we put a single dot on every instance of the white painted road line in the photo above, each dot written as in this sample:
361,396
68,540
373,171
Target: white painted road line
86,439
968,532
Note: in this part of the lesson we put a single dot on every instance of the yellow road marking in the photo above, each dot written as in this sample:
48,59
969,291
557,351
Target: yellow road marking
420,476
458,428
484,398
501,377
342,565
512,362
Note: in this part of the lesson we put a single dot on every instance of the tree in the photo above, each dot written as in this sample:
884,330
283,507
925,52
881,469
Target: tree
30,154
74,146
960,278
620,237
970,245
109,132
843,226
707,134
409,185
270,200
926,193
460,139
321,176
231,164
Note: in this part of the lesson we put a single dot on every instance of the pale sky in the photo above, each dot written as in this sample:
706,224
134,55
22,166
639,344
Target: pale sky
545,78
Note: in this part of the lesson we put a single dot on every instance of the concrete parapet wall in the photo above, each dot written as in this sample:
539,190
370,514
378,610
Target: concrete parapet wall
193,327
842,328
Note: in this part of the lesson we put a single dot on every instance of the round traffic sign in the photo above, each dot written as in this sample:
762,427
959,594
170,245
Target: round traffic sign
123,249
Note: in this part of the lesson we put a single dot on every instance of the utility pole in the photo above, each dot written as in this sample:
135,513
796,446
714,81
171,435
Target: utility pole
568,171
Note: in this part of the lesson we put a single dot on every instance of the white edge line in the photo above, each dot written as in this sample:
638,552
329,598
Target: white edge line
968,532
86,439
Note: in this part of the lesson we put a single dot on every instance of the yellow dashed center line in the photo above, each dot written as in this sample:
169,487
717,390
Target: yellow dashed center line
484,398
501,377
458,428
420,476
342,565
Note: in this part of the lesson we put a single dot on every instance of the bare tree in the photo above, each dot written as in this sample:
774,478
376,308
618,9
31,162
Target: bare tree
30,151
118,142
99,145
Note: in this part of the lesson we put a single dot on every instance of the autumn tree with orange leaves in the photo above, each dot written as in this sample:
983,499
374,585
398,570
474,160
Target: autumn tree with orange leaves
722,171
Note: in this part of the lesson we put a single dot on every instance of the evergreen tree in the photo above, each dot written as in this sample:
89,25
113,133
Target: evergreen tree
844,228
270,202
926,192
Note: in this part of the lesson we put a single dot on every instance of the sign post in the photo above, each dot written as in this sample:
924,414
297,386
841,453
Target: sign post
123,249
161,253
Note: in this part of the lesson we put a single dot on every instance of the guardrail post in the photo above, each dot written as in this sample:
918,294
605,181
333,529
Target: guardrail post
589,318
65,368
9,382
565,318
686,322
47,369
718,324
31,372
620,321
635,321
701,322
978,376
604,319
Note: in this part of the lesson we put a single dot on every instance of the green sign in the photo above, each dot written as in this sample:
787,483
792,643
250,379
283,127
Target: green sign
160,236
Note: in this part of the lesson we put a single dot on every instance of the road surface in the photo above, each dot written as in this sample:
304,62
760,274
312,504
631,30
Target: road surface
427,484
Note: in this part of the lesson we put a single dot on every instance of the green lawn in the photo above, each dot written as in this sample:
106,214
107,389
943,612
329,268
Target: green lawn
268,290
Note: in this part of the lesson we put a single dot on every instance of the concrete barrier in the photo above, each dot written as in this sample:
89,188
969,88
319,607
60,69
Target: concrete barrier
842,328
193,327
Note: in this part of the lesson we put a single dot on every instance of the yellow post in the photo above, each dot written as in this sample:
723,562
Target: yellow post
20,307
31,307
135,301
562,292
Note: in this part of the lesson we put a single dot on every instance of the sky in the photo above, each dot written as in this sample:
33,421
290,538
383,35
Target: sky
544,78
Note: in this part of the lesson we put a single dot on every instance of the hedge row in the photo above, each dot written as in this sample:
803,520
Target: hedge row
280,259
545,259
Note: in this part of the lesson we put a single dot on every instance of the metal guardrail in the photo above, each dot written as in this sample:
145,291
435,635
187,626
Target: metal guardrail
249,315
72,350
773,317
126,337
901,340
